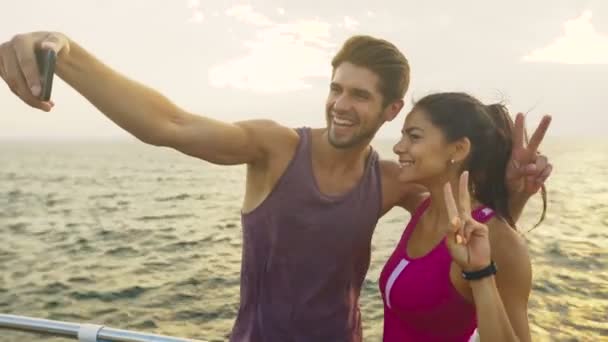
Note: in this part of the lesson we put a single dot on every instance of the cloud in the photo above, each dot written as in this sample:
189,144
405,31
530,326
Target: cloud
580,44
350,23
197,15
281,57
247,15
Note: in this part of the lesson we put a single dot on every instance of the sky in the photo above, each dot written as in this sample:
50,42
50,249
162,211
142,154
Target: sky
236,60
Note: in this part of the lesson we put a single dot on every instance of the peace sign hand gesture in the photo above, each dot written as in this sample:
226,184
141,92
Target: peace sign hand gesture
467,240
527,169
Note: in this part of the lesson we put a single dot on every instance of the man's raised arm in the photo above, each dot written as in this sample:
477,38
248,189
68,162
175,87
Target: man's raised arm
138,109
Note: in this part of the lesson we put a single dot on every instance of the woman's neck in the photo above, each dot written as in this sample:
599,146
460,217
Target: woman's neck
437,214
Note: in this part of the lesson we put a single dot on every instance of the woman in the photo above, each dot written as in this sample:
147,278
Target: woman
441,282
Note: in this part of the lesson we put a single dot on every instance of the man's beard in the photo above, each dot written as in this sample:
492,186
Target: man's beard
366,133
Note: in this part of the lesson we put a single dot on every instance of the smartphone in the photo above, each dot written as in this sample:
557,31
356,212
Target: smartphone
46,66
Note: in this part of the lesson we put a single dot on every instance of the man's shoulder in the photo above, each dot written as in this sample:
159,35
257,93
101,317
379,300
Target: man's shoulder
278,140
390,170
269,132
397,192
276,137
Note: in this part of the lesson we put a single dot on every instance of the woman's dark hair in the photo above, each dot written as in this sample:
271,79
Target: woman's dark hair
489,129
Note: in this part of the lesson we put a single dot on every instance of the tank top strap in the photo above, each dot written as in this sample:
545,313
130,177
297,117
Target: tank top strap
373,157
483,214
305,137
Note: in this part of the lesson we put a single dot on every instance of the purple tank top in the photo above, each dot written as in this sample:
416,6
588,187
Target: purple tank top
305,256
420,302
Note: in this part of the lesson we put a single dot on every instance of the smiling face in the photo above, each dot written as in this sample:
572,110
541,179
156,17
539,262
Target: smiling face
424,154
354,110
455,126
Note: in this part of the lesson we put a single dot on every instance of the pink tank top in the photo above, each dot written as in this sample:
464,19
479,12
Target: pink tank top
420,302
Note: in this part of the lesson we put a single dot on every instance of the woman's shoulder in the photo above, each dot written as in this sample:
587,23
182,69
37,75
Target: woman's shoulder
503,235
509,250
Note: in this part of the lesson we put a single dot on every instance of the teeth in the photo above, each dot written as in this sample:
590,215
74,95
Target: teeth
342,122
406,163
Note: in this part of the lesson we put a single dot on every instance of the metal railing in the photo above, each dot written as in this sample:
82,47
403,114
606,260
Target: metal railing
81,332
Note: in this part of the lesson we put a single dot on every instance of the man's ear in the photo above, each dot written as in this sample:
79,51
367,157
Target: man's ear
391,111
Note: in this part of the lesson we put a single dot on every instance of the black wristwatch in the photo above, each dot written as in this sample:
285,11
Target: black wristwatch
482,273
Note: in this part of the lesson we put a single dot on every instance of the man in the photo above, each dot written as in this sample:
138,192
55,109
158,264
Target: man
313,197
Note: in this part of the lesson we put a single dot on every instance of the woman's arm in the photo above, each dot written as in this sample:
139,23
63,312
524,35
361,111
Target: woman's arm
501,301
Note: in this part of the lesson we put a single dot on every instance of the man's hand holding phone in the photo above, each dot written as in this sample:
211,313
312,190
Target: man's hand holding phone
27,65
